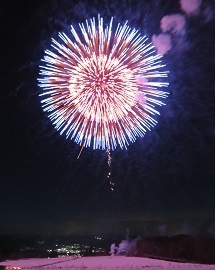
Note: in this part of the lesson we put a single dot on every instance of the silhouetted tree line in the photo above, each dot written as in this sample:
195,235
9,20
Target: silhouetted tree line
185,248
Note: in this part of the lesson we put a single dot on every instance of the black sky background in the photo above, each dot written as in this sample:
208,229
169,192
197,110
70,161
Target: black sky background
164,182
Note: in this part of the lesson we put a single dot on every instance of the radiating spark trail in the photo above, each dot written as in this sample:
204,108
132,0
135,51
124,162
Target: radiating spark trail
101,86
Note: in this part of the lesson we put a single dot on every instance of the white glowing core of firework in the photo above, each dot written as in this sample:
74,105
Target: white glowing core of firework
101,87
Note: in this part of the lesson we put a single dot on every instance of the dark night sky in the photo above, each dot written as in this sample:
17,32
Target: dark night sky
164,182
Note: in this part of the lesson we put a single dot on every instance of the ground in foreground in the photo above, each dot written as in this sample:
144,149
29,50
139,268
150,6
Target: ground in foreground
103,262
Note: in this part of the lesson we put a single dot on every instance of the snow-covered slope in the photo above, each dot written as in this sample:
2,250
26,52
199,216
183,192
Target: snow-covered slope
105,262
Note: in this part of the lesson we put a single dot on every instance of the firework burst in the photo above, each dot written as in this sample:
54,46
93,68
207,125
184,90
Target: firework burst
101,87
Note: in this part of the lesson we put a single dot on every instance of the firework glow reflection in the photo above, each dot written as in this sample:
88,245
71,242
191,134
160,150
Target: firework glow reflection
101,87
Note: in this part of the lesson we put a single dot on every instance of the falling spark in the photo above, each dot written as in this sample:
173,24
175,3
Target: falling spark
101,85
109,176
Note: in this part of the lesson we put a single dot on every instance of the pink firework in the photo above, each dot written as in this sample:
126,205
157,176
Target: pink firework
101,87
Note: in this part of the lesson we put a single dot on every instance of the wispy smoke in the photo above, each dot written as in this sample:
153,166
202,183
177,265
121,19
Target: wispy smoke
190,7
173,28
162,43
173,23
208,14
126,247
112,249
211,229
162,229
